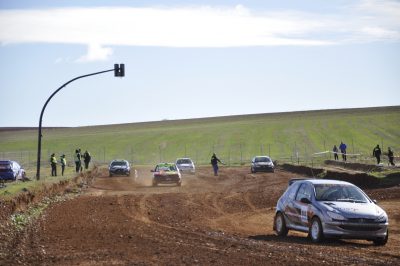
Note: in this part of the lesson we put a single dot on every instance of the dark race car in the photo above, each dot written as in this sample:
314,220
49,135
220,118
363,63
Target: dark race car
166,173
330,208
119,167
262,164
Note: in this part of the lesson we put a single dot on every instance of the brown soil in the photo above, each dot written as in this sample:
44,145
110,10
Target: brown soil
209,220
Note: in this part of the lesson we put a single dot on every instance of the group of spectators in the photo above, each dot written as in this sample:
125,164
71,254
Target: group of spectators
78,158
377,153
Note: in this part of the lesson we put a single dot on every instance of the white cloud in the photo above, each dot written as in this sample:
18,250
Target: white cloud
96,53
198,27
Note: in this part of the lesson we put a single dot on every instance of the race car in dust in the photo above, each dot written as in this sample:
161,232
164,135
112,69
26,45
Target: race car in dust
262,164
330,208
185,165
119,167
166,173
11,170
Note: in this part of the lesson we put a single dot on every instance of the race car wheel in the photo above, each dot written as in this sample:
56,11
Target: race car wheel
382,241
252,170
316,232
110,175
280,225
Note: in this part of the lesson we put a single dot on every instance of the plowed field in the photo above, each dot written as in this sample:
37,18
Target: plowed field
209,220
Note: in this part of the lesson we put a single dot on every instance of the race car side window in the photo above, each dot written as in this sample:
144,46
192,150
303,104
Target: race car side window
305,191
291,192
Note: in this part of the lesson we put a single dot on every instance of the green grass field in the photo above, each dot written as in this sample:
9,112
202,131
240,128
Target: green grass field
235,139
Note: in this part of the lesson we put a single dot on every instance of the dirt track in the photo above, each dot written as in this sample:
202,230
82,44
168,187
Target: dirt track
224,220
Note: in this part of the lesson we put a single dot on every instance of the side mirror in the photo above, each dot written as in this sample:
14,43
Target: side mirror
375,201
305,200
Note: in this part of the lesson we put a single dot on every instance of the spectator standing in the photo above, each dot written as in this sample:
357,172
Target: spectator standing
77,159
342,149
63,162
214,163
391,156
335,151
86,159
80,153
377,153
53,163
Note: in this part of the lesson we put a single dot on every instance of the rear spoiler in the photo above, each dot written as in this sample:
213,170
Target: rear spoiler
291,181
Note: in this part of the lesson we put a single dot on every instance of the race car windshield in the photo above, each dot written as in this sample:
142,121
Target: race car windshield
5,165
167,168
118,164
335,192
262,160
184,161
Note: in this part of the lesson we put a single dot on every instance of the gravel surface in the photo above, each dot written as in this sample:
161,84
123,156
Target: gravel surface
224,220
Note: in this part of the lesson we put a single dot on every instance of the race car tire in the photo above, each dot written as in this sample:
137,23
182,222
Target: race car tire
280,225
315,231
382,241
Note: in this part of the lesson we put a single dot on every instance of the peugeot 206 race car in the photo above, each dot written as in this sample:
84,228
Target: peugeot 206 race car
330,208
166,173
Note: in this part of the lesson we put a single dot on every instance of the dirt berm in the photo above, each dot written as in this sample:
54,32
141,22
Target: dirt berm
363,180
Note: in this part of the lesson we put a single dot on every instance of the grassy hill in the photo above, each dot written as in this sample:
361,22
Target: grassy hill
234,138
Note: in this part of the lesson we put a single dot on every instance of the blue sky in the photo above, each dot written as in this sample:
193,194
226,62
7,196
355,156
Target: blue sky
189,59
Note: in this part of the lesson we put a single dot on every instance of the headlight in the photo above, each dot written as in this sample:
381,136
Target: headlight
335,216
381,218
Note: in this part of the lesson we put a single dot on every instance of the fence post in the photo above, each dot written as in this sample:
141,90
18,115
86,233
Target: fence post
241,154
269,150
229,156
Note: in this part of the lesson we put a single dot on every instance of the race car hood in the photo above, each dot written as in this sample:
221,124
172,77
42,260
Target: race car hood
116,167
354,209
264,163
184,165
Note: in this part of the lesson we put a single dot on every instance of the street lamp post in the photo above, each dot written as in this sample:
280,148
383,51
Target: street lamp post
119,71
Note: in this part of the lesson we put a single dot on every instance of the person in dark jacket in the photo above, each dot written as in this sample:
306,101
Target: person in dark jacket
77,160
377,153
335,151
86,159
214,163
342,149
391,156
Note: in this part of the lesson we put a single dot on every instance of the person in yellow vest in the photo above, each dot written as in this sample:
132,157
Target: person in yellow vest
63,164
53,163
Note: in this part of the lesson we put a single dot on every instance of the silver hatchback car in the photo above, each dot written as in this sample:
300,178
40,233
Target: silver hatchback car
330,208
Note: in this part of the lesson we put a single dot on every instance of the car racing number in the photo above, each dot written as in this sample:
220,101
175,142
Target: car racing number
303,214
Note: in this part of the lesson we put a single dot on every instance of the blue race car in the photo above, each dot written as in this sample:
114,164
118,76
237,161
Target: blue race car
11,170
330,208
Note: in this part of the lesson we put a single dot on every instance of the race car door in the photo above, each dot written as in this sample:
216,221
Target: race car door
302,204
